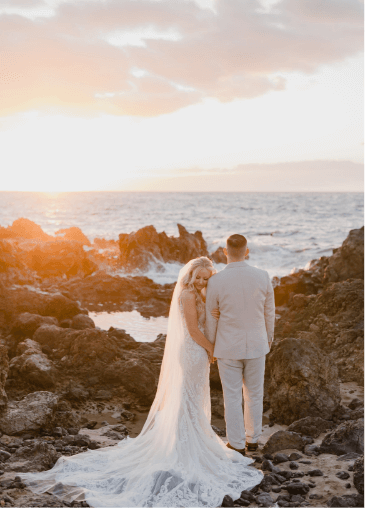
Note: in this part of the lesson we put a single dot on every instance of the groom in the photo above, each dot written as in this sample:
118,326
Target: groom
243,336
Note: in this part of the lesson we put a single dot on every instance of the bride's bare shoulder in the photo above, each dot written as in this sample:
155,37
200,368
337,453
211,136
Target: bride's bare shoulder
187,296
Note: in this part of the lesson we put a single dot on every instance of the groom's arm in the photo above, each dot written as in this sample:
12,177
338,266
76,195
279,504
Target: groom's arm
212,302
270,311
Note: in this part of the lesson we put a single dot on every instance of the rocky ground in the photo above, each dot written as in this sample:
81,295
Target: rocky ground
67,386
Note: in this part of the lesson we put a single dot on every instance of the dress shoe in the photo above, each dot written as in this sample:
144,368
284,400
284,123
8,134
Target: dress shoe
252,447
242,452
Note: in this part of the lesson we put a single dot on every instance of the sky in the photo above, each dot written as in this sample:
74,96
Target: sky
178,95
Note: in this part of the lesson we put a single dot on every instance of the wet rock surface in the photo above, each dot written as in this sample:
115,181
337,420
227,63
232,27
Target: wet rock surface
139,249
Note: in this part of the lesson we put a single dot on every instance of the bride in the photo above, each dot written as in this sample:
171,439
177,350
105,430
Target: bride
177,460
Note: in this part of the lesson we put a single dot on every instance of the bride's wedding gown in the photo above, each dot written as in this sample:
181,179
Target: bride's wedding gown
177,460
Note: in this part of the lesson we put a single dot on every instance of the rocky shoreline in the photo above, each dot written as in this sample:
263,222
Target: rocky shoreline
67,386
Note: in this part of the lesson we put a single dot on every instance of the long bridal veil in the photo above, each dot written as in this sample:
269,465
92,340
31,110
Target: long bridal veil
176,461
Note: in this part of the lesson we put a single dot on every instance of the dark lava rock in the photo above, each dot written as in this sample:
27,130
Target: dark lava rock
301,381
294,465
297,488
295,456
348,261
4,369
346,500
315,472
81,322
218,256
359,475
280,457
284,440
310,426
264,499
26,323
139,249
227,501
347,437
62,307
343,475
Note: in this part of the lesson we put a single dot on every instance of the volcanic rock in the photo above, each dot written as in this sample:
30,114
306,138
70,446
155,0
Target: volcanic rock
73,234
139,249
52,336
284,440
136,375
348,261
301,381
333,320
310,426
36,456
32,365
62,307
26,324
58,258
27,229
29,414
81,322
359,475
4,368
345,438
346,500
218,256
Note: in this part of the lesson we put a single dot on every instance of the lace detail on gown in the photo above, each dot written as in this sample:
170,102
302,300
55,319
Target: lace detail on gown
191,466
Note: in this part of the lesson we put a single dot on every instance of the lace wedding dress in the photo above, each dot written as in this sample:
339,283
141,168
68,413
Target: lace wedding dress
177,460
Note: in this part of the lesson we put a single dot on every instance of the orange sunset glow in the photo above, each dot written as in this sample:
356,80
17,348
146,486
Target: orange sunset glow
189,95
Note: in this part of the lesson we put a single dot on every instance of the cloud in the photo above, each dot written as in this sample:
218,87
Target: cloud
66,62
302,176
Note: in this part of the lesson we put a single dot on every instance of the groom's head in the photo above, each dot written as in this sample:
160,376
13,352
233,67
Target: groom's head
236,249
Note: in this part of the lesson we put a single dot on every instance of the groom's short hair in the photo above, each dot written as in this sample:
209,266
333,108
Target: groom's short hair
236,245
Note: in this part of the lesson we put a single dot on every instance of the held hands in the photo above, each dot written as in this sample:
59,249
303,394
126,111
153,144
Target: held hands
210,354
215,313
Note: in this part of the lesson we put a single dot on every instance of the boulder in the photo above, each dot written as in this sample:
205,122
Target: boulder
301,381
74,234
51,335
27,229
345,438
310,426
117,293
26,323
32,365
218,256
4,368
359,475
59,258
139,249
284,440
332,320
348,500
62,307
81,322
136,375
348,261
31,413
35,456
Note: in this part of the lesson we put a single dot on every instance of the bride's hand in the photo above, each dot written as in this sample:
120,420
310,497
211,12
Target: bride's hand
215,313
210,353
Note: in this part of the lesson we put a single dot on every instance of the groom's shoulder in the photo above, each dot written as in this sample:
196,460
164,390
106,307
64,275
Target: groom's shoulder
260,272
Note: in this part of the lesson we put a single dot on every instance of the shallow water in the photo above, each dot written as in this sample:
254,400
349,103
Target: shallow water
140,328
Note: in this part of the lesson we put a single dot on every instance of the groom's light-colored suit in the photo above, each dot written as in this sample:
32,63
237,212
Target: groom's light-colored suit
245,298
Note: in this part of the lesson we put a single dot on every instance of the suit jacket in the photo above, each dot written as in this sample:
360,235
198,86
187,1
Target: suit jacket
245,298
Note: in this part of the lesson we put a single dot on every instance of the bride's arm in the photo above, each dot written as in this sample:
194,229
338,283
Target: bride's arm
191,318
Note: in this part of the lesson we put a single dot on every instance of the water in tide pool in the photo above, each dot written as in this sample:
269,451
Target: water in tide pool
284,230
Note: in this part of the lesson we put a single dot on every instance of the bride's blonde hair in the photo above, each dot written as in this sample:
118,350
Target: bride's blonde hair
197,264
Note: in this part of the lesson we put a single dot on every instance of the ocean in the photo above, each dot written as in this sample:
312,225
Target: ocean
284,230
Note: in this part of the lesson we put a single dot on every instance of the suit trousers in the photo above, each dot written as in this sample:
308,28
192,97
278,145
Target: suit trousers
245,376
